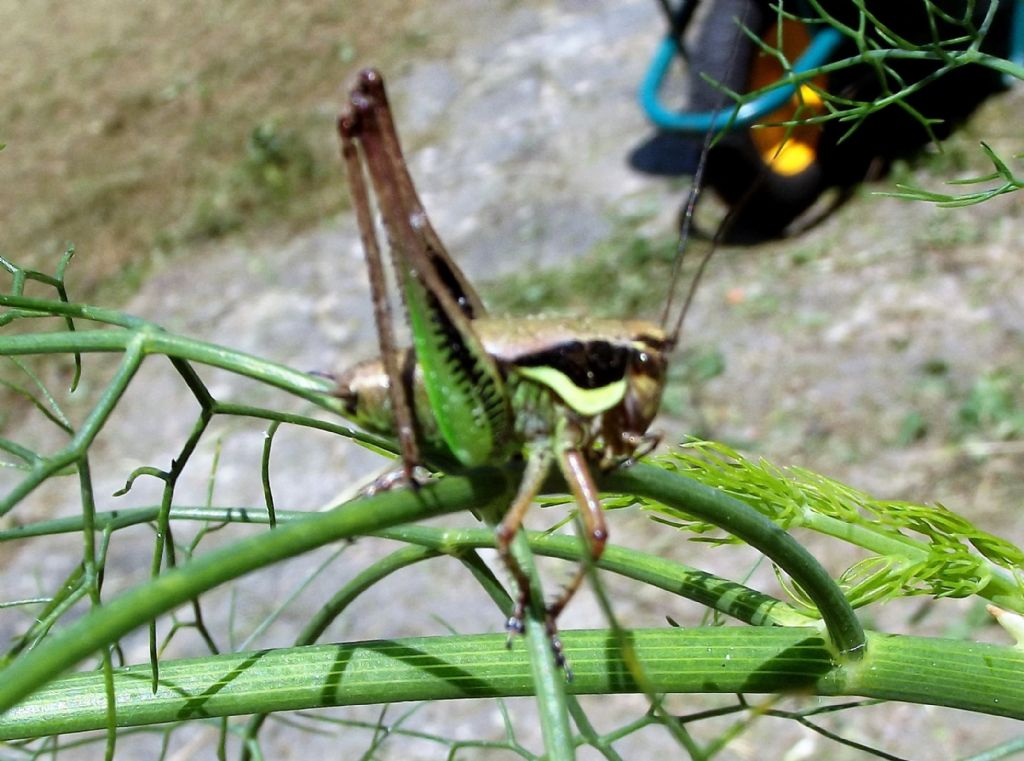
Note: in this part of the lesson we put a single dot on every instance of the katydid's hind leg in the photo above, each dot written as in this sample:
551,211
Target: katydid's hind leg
353,125
577,473
371,84
477,423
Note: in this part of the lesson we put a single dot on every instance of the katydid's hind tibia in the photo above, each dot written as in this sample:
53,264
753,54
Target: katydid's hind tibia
463,384
578,395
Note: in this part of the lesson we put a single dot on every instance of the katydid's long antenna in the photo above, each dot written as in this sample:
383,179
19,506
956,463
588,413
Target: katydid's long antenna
723,229
691,202
684,237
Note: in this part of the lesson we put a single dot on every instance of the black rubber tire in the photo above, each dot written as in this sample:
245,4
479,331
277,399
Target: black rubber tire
764,202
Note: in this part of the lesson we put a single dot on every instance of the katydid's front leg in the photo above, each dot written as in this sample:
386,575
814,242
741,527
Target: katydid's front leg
538,465
576,472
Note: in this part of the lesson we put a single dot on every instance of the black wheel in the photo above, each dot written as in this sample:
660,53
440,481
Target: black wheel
772,175
769,175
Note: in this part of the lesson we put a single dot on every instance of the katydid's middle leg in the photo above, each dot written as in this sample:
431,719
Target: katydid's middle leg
538,464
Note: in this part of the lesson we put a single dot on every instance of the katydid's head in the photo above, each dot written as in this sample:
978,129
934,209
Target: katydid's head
645,377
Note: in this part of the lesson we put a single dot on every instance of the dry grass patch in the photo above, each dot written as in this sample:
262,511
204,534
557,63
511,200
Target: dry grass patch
134,128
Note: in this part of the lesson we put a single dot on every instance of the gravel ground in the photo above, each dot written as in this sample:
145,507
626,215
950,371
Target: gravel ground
519,142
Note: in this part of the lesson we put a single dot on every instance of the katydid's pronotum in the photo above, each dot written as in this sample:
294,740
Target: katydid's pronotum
480,390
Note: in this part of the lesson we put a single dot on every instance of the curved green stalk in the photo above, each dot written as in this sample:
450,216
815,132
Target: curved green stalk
725,596
743,521
975,677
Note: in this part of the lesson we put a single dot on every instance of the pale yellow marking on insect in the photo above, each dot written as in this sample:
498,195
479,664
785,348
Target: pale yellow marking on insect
586,401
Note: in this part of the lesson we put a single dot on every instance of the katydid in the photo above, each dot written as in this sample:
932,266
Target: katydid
579,394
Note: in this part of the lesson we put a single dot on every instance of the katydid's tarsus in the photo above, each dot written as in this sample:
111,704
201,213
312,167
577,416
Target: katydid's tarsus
473,389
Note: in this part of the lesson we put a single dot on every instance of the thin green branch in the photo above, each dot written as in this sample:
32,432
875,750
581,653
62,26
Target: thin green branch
1010,184
68,594
21,275
51,409
26,455
50,307
145,339
77,448
268,493
163,544
172,588
548,682
723,595
152,340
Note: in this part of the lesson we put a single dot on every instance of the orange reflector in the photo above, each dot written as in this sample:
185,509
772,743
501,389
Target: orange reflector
790,158
789,150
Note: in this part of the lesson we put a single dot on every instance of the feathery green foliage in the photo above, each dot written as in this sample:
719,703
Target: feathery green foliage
914,549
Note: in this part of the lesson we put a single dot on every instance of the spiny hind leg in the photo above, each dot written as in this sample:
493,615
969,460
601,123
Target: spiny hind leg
362,152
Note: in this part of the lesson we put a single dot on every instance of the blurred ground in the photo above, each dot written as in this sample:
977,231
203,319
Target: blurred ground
852,350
